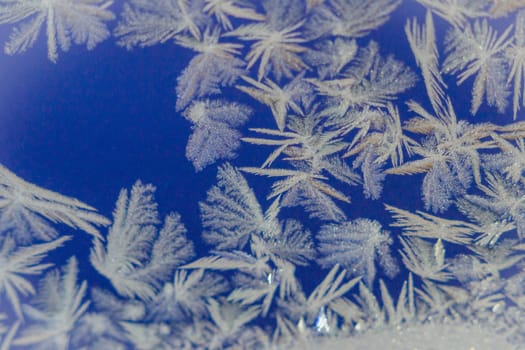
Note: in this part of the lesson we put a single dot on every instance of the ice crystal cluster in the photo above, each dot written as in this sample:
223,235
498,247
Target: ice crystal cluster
342,116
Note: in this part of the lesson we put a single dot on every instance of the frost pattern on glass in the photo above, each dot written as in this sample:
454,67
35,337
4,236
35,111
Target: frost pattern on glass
66,21
295,255
356,245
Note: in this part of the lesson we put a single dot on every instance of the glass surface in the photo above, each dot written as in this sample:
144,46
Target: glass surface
278,174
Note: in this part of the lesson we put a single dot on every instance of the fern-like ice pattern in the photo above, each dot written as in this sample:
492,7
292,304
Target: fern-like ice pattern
300,261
